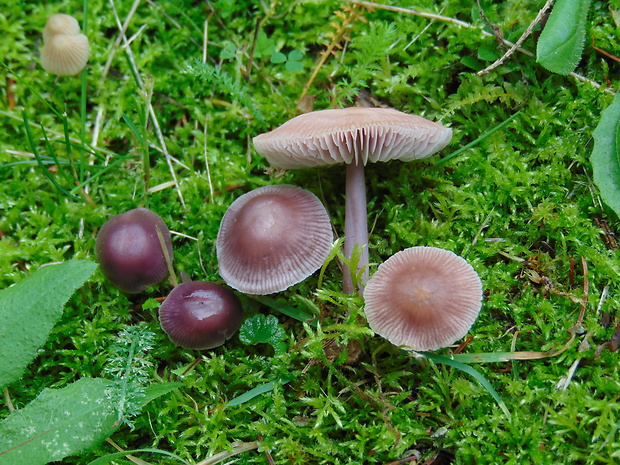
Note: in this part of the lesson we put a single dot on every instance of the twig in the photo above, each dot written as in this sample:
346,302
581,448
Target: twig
238,448
132,458
518,43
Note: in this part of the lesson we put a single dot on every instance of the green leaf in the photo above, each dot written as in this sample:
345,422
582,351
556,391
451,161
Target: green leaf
295,55
30,309
264,45
257,391
58,423
261,328
561,42
278,57
293,66
605,156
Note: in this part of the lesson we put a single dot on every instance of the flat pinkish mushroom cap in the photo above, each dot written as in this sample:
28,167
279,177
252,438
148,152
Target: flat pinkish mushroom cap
424,298
271,238
364,135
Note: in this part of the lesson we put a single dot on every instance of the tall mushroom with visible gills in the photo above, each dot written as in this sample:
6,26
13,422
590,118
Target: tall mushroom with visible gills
354,136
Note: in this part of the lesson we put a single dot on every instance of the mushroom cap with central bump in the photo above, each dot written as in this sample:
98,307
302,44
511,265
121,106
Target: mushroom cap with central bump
348,135
271,238
200,315
424,298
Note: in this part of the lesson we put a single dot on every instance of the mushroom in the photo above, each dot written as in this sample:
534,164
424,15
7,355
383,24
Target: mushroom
129,250
200,315
355,136
271,238
65,49
424,298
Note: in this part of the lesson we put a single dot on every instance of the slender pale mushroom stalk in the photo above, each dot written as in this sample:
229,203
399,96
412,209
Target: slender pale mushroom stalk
423,298
354,136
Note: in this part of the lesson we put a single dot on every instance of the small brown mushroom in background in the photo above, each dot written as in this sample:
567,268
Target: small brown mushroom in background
354,136
65,49
129,250
271,238
424,298
200,315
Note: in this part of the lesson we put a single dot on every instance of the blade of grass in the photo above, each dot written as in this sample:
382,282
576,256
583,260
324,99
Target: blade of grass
257,391
40,161
283,308
473,373
52,153
478,140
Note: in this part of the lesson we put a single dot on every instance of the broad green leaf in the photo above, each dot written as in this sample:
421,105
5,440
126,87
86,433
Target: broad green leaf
561,42
605,156
30,309
58,423
261,328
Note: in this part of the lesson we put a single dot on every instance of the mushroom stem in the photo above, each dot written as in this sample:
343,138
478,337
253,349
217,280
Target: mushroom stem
355,225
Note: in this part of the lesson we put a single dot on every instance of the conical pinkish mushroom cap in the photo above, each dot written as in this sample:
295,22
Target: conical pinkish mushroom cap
364,135
271,238
424,298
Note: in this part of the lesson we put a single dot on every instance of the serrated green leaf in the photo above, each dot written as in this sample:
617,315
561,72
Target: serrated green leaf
261,328
605,156
58,423
561,42
30,309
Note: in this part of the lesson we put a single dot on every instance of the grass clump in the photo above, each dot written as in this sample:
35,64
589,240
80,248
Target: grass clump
168,125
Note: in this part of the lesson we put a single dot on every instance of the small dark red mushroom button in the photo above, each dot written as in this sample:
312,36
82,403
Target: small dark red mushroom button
200,315
129,250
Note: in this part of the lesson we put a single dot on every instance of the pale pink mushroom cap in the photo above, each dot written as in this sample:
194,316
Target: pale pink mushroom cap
65,50
359,134
424,298
271,238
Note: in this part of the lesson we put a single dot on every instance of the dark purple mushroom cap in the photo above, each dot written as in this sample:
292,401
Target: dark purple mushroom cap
271,238
129,251
200,315
423,297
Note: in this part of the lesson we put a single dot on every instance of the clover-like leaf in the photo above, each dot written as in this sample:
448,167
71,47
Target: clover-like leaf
263,329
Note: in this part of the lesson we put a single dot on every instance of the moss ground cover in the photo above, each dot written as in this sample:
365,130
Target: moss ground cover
520,206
